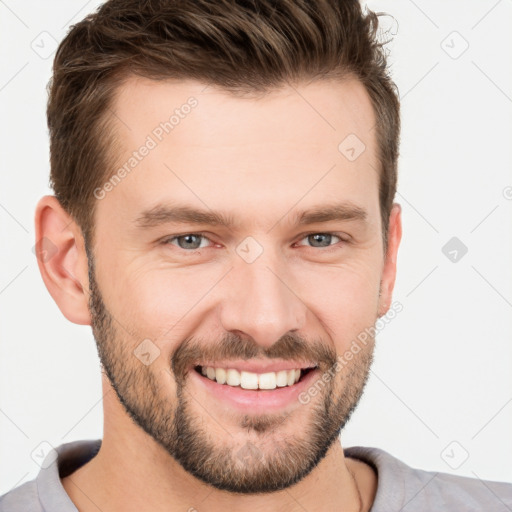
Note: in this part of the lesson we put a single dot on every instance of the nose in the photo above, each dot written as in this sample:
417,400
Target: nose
260,301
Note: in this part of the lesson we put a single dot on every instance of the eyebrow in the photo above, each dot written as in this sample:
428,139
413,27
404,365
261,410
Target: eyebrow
182,214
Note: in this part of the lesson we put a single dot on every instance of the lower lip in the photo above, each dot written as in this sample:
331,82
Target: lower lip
263,400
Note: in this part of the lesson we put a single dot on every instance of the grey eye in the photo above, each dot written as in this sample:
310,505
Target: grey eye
321,239
189,241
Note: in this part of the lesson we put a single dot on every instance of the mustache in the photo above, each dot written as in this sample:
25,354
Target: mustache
232,346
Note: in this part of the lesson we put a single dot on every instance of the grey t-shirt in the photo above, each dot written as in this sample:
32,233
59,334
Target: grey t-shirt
400,487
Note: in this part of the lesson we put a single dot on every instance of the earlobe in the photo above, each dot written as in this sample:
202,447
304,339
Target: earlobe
389,269
62,259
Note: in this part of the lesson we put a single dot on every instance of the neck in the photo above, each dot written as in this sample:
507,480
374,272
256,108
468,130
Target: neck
131,472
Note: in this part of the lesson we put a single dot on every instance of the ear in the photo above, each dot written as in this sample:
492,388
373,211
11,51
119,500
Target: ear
389,270
62,260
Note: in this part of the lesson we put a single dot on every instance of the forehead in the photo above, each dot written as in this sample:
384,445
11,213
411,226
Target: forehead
312,110
305,143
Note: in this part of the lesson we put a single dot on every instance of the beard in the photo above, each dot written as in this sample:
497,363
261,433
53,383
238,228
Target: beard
260,459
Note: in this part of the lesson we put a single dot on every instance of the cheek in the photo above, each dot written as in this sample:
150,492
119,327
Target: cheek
343,298
163,300
156,300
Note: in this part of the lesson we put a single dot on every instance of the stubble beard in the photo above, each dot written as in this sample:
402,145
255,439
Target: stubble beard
263,460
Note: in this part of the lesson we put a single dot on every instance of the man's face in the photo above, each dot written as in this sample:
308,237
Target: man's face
264,295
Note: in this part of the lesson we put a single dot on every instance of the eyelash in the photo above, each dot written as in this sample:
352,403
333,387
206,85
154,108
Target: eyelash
168,240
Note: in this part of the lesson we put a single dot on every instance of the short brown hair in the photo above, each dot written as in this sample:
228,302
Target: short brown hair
241,46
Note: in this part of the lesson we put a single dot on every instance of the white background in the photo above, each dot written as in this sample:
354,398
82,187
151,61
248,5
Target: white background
441,386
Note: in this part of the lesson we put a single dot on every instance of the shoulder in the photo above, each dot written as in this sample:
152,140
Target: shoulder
22,498
46,492
401,487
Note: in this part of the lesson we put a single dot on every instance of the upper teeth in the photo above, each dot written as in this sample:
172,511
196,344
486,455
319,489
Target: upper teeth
249,380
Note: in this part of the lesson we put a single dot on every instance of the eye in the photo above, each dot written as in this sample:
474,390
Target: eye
321,240
189,241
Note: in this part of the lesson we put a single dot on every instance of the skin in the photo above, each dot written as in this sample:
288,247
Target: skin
261,160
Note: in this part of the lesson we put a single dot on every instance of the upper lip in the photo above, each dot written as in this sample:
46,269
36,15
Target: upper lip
257,366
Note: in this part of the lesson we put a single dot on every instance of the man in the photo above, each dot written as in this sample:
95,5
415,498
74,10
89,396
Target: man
223,218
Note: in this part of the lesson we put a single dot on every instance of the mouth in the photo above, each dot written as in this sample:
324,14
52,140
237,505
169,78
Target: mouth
251,386
252,380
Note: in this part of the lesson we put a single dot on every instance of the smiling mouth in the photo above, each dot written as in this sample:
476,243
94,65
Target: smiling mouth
254,381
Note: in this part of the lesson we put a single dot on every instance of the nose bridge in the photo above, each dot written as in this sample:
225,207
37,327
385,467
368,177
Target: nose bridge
259,301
